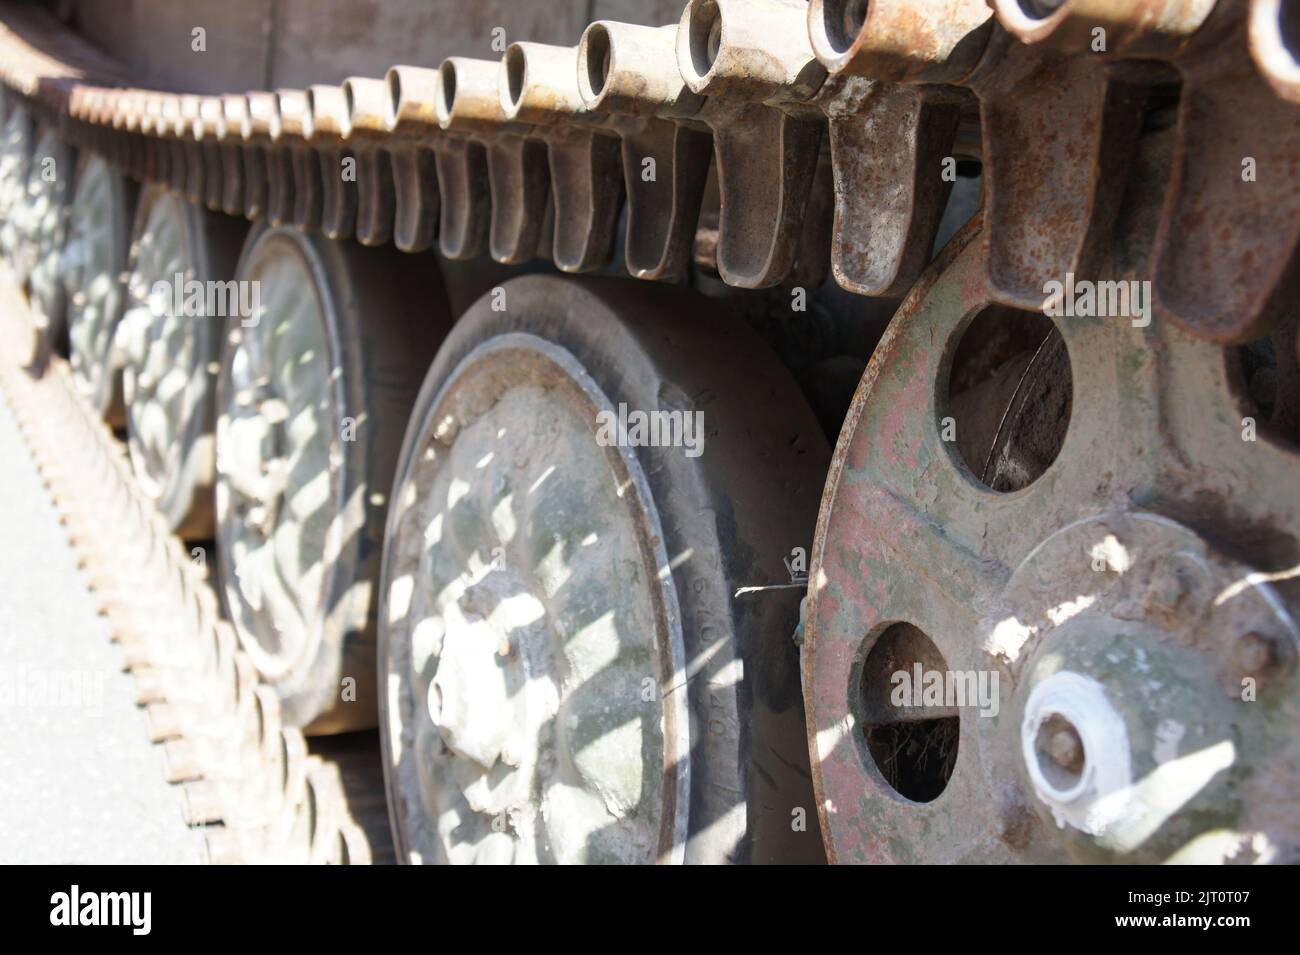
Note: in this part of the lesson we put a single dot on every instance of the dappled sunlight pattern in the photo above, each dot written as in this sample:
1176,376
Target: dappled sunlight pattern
15,156
168,363
524,630
278,489
49,187
92,279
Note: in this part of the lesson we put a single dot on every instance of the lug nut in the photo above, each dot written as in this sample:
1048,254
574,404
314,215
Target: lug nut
1066,749
1076,750
1255,652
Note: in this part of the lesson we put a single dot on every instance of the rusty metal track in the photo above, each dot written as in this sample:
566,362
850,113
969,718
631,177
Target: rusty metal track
801,110
250,783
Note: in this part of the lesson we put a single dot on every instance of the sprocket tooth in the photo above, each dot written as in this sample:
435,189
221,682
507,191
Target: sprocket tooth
661,228
1233,205
308,193
520,183
375,197
888,142
587,182
1059,132
415,185
465,212
280,197
765,159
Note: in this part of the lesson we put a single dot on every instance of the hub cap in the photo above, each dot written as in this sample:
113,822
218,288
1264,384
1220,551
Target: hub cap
168,361
532,635
48,192
277,441
91,263
15,160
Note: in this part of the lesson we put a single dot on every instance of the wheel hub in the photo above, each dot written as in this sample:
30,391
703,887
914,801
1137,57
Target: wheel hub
1123,637
261,445
1068,717
470,697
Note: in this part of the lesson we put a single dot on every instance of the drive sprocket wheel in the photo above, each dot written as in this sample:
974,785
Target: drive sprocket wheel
1090,545
574,665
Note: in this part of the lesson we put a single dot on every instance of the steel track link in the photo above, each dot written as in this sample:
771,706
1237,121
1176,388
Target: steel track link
827,124
248,781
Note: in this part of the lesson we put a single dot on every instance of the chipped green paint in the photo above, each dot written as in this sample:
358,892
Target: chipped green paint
906,535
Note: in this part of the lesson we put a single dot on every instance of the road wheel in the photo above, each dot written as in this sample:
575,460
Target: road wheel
96,258
586,646
16,144
313,395
49,195
170,347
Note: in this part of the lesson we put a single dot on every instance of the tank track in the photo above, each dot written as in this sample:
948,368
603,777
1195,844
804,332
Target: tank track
825,137
249,783
441,157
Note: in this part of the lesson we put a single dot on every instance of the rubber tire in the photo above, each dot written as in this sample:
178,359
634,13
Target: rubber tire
215,240
13,191
107,391
51,302
739,508
390,316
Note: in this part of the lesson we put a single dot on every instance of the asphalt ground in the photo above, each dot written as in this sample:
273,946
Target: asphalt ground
80,782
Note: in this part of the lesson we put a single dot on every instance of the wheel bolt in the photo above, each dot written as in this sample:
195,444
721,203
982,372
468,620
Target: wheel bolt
1066,749
1076,750
1255,652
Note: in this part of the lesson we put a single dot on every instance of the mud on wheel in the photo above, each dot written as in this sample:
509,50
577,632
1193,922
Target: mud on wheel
571,668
